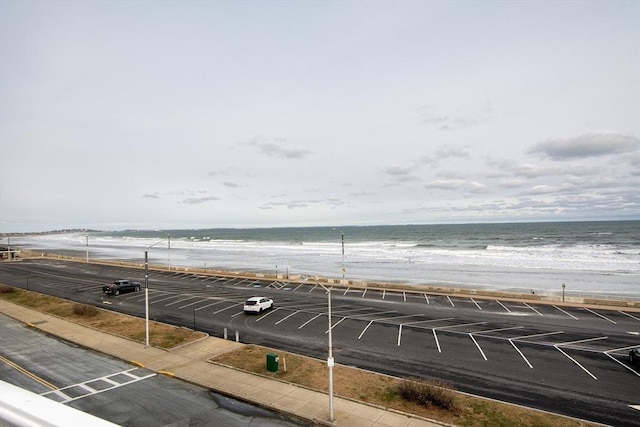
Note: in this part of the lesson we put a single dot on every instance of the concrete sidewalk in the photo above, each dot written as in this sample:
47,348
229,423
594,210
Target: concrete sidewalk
190,363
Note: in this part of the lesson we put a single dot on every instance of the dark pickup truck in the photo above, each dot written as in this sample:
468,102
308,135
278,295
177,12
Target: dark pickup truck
120,287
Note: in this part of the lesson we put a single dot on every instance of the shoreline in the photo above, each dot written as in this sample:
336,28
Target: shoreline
350,285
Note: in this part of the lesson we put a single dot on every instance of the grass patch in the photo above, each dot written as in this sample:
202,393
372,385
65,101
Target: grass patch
385,391
428,393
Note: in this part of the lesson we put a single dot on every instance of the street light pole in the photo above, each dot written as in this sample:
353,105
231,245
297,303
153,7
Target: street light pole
342,234
146,294
330,361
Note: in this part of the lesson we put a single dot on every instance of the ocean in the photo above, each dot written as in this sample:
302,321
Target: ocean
592,258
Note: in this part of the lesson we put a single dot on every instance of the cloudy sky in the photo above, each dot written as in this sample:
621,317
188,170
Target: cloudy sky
160,114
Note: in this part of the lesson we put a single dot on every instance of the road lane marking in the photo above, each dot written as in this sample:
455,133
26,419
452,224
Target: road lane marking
575,361
568,314
521,355
636,407
27,373
600,315
66,399
477,345
477,305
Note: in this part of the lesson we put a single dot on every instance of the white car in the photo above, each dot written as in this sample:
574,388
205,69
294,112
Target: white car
257,304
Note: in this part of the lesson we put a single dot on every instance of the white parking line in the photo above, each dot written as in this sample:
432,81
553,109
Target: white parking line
600,315
227,308
477,345
450,301
404,295
519,352
503,306
335,324
309,321
345,292
437,342
537,335
619,362
365,329
474,301
568,314
364,293
399,334
627,314
286,317
190,304
210,305
575,361
533,309
426,297
498,330
179,301
268,313
384,292
461,325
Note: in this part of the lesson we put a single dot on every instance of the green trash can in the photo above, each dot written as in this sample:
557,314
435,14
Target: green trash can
272,362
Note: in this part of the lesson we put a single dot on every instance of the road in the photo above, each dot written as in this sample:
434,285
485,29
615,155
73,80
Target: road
563,359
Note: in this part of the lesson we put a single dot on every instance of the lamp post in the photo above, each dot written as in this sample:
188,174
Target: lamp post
563,286
342,234
87,245
146,293
330,361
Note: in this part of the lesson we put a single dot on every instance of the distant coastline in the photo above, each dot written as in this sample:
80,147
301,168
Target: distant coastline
45,233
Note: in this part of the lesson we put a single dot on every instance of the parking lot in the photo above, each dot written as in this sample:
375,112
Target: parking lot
538,354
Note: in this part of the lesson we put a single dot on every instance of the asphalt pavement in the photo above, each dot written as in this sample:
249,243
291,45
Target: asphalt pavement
192,363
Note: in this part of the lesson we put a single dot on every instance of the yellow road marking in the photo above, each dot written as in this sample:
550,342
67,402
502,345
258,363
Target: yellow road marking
28,373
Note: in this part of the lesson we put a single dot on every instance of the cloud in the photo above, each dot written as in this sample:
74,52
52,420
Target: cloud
401,174
199,200
456,119
446,184
586,145
231,184
276,149
445,152
151,196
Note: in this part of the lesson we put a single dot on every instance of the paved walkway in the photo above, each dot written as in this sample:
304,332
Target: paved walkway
190,363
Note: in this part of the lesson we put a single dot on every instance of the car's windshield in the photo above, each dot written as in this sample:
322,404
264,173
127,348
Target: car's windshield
250,303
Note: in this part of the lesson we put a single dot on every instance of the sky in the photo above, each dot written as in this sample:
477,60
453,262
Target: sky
202,114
